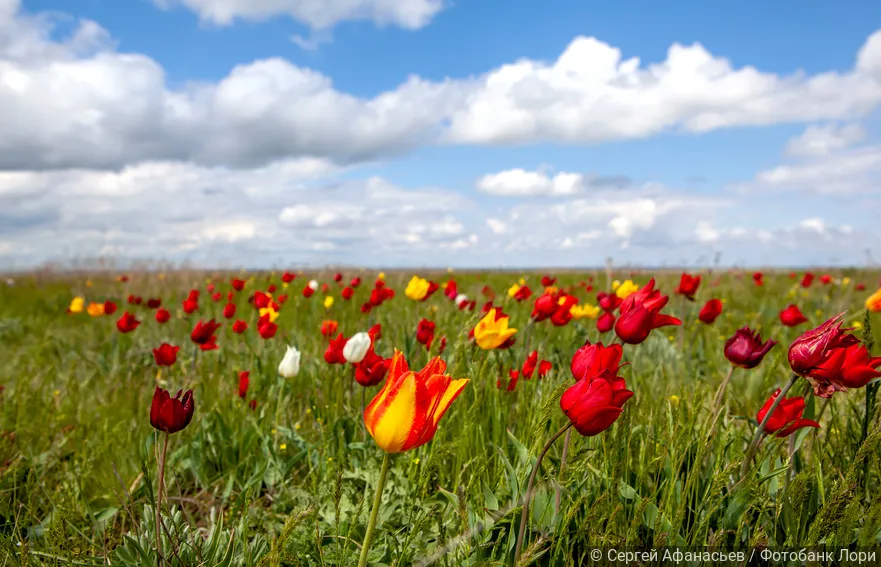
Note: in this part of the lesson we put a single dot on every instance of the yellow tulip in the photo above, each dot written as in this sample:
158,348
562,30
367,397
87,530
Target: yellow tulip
845,281
273,314
584,311
417,289
76,305
381,275
626,289
512,291
491,333
522,281
328,302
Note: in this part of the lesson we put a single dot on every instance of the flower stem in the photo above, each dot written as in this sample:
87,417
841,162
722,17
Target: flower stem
377,498
558,496
159,490
760,430
528,496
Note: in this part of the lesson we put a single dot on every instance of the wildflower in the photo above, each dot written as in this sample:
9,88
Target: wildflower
171,414
493,332
745,348
688,285
127,323
356,347
244,383
95,309
419,289
76,305
640,313
290,364
792,316
787,417
710,311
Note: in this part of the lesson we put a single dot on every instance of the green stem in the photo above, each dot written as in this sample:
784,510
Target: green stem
528,496
558,496
160,487
377,498
760,430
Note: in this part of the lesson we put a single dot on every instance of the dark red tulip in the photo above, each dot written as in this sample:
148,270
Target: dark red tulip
123,278
425,332
640,313
710,311
261,300
238,284
792,316
523,293
244,383
252,404
375,332
815,348
787,418
127,323
758,278
847,368
165,355
229,310
308,291
134,300
109,308
372,369
239,326
171,414
191,303
606,322
688,285
203,334
594,403
271,288
154,303
745,348
216,297
858,287
337,277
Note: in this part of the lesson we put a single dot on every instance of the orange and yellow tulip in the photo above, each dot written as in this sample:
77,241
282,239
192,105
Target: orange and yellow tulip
873,302
492,332
95,309
405,413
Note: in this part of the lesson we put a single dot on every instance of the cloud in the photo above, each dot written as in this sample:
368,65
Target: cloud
318,14
519,182
590,94
825,139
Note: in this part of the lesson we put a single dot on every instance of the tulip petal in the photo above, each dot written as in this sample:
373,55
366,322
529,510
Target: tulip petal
392,420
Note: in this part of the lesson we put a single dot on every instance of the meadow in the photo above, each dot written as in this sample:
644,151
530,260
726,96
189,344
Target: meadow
282,470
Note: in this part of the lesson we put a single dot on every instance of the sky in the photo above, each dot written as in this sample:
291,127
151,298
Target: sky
434,133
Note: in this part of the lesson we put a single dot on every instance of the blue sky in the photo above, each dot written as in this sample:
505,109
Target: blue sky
423,132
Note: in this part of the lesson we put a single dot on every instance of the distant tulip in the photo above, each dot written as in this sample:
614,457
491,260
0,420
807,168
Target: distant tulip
109,308
337,277
758,278
688,285
405,414
355,282
165,355
265,327
451,290
372,369
710,311
76,305
420,289
229,310
288,277
203,334
807,280
334,352
328,302
310,288
239,327
745,348
787,417
356,347
626,289
347,293
547,281
873,302
127,323
640,314
244,383
154,303
238,284
95,309
171,414
792,316
190,306
425,332
290,364
329,327
606,322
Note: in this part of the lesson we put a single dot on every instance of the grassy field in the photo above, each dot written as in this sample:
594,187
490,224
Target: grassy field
290,478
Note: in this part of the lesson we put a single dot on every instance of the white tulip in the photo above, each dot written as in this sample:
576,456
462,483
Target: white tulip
356,347
290,364
461,298
313,284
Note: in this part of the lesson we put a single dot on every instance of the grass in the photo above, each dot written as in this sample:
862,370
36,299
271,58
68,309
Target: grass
291,482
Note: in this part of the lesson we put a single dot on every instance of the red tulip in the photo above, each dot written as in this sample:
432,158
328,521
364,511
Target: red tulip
324,288
337,277
210,287
329,327
271,288
523,293
288,277
355,282
171,414
239,326
792,316
134,300
547,281
154,303
109,308
640,313
229,311
372,369
745,348
165,355
605,322
334,352
308,291
710,311
593,360
757,278
347,293
127,323
261,300
488,292
425,332
203,334
807,280
190,305
530,364
266,328
252,404
845,368
859,287
122,278
244,382
787,417
593,404
688,285
815,348
238,284
825,279
162,315
609,301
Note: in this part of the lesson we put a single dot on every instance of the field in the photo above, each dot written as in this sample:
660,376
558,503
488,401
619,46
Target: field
286,472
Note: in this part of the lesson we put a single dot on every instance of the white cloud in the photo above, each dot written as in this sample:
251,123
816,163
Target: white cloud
823,140
410,14
519,182
497,226
814,224
705,232
590,94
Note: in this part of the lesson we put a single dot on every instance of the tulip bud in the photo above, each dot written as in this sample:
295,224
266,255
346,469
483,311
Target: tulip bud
290,364
356,347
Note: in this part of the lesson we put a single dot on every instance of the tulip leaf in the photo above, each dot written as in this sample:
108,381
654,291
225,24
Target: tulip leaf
626,491
490,500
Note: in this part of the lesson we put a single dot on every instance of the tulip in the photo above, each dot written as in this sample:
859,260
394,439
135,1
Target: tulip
404,415
239,327
229,310
688,285
329,327
95,309
845,368
356,347
154,303
531,363
265,327
238,284
547,281
171,414
347,293
807,280
375,332
127,323
372,369
271,288
262,300
814,348
792,316
451,290
109,308
419,289
710,311
640,313
290,363
594,404
355,282
76,305
337,277
586,310
606,322
597,360
244,383
626,289
190,306
328,302
334,352
288,277
162,315
745,348
165,355
425,332
873,302
493,332
758,278
310,288
787,417
203,334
